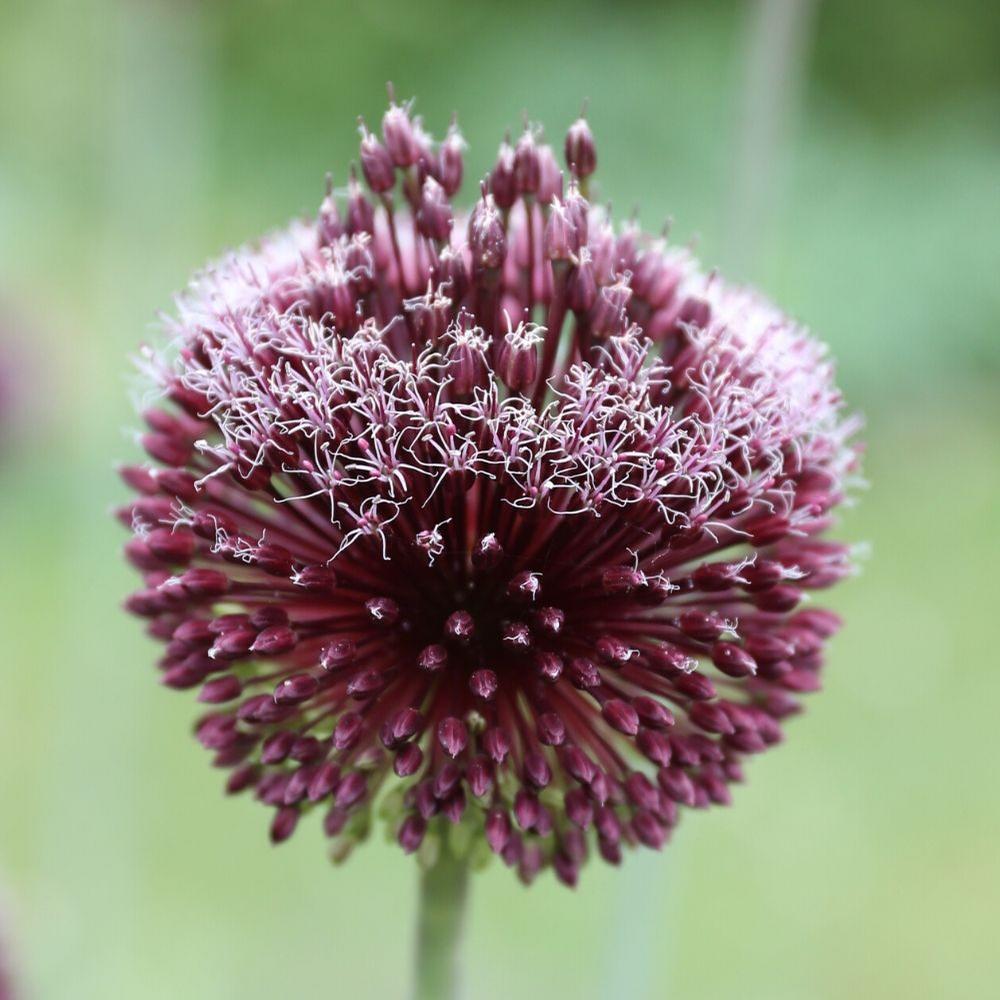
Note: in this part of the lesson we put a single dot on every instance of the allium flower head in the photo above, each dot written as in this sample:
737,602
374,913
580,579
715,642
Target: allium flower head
499,520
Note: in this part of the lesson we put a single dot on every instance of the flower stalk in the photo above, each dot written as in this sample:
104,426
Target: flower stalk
440,919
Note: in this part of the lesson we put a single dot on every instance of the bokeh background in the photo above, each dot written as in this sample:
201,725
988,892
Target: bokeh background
844,155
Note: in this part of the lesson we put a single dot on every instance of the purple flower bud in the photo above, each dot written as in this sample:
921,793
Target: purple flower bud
277,747
221,689
171,546
450,161
296,689
479,776
551,729
434,216
503,185
652,712
483,684
517,360
283,826
622,580
453,269
432,658
274,641
328,224
337,654
365,684
550,181
383,610
581,156
560,241
408,760
233,645
567,870
446,780
581,286
648,830
607,316
497,829
400,137
525,587
487,239
527,165
496,742
403,726
621,715
583,673
516,636
205,582
487,553
351,790
360,214
536,770
347,731
411,833
269,616
460,626
376,164
677,785
549,665
452,735
468,363
732,660
453,808
323,782
525,809
579,809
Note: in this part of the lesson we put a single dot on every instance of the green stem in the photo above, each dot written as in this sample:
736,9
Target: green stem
443,890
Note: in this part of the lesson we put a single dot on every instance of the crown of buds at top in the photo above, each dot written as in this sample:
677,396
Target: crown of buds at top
494,517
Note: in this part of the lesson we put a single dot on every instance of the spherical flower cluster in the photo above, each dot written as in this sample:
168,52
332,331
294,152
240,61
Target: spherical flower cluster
496,526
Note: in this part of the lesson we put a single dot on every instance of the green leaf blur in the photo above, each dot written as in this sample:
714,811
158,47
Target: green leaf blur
139,137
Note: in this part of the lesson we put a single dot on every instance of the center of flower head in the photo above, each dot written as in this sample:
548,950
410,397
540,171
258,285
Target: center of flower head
500,520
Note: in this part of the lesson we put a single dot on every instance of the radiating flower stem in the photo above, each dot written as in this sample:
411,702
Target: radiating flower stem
443,890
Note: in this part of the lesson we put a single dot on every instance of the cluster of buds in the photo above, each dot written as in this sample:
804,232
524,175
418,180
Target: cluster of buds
498,525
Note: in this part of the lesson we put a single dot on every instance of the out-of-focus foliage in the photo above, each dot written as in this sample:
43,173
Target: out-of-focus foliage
138,137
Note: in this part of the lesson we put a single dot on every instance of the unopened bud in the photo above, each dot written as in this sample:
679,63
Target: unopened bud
487,240
450,163
376,164
399,135
517,361
581,155
434,216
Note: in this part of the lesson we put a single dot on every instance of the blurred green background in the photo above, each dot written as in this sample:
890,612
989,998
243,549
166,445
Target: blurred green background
844,155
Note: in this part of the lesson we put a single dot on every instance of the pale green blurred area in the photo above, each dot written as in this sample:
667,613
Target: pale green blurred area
138,138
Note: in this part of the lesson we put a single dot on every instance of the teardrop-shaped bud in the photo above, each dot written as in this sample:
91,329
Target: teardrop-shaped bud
496,743
479,774
497,829
517,359
450,160
581,154
411,833
621,715
453,735
551,729
295,689
408,760
483,684
376,163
